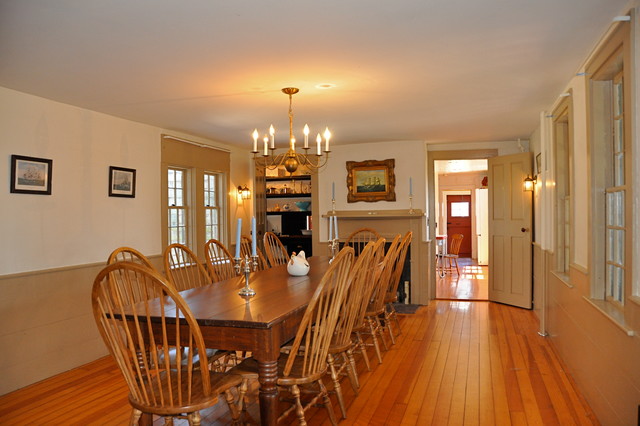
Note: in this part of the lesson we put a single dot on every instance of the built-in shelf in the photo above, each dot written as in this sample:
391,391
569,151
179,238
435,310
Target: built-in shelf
291,195
286,178
372,214
290,212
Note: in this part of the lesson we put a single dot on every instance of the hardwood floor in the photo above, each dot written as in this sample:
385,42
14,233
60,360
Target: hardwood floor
471,284
456,363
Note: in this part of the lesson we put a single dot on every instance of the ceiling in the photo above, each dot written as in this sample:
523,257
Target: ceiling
432,70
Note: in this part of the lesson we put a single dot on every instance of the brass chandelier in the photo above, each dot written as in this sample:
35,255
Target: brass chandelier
292,159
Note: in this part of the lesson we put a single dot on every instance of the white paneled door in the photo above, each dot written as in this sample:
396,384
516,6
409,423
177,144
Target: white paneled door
510,230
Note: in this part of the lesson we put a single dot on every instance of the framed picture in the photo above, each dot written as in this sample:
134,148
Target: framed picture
122,182
371,181
30,175
538,163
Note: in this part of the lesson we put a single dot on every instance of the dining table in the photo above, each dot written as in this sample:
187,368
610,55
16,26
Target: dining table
260,324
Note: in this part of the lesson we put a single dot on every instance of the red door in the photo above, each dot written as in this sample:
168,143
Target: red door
459,221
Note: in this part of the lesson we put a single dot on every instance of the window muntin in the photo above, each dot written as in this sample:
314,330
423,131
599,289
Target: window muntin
615,229
177,206
212,206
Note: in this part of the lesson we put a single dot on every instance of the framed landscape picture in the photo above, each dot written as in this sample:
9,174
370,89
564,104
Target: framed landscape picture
371,181
122,182
31,175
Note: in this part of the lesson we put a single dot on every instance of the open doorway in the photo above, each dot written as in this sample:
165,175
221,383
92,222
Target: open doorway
461,208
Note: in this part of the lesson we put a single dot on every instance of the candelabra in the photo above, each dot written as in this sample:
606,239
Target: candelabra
334,246
246,265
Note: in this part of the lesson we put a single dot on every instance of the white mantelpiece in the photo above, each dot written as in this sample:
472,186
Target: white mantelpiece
389,223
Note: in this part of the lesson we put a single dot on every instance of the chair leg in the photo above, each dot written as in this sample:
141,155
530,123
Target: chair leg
387,323
295,391
380,329
351,370
242,392
457,269
336,385
135,416
233,407
327,403
363,350
374,339
194,418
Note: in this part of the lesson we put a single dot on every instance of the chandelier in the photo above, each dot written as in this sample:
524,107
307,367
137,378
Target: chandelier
292,159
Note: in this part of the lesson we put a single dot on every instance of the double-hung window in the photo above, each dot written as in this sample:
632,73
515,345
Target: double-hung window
177,206
562,138
211,206
610,141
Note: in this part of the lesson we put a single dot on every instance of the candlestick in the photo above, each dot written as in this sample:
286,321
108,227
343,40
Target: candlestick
411,211
246,266
333,190
238,233
335,227
410,187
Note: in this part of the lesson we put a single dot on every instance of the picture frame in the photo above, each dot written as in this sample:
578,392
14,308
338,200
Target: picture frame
371,181
538,163
122,182
31,175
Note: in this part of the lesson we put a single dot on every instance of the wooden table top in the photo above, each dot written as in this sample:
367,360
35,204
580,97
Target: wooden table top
278,294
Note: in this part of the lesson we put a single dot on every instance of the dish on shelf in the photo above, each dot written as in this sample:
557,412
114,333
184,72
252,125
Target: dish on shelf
306,231
303,205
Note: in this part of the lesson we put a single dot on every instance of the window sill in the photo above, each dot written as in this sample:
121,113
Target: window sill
564,278
611,313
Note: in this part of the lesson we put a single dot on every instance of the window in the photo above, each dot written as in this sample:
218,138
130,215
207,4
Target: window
177,201
460,209
195,186
609,108
562,144
211,206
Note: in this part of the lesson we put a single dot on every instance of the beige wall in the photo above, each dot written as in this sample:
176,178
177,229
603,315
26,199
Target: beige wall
53,246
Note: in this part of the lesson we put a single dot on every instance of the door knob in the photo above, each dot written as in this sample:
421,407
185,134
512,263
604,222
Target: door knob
524,229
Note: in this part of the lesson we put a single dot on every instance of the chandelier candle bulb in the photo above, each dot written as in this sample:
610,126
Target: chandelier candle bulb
266,146
272,132
238,233
319,141
327,136
306,136
255,140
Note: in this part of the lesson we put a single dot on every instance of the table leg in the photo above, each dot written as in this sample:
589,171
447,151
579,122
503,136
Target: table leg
267,374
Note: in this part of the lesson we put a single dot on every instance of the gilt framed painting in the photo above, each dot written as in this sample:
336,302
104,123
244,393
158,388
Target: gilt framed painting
371,181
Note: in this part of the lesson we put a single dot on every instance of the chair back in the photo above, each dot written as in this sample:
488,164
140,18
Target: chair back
128,254
141,349
183,269
245,250
220,263
274,249
382,276
456,240
355,303
398,267
315,331
359,238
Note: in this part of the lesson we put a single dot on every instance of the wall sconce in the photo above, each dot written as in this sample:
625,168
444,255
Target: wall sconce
529,183
244,193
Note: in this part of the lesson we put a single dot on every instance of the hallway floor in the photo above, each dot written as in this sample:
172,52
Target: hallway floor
472,284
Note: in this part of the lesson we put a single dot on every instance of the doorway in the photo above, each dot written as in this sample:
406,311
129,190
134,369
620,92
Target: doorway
460,186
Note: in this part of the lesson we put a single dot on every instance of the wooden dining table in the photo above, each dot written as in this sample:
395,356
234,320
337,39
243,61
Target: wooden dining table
260,324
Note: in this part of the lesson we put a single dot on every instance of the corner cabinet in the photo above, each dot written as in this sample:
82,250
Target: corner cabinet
286,207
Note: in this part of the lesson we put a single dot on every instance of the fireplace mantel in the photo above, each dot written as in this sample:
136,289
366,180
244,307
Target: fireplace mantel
389,223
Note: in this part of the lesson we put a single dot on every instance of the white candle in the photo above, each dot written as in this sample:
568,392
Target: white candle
327,136
410,187
319,142
255,140
335,218
253,237
330,228
306,136
266,146
333,191
272,132
238,232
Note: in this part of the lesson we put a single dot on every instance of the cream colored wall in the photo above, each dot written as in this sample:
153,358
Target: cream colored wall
54,245
599,352
410,161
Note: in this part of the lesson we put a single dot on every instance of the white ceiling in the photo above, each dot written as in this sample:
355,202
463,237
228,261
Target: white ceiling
433,70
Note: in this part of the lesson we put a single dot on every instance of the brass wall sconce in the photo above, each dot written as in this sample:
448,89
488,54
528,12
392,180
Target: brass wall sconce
529,183
244,193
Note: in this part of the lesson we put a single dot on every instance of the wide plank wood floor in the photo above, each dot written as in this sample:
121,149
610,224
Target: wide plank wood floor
456,363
